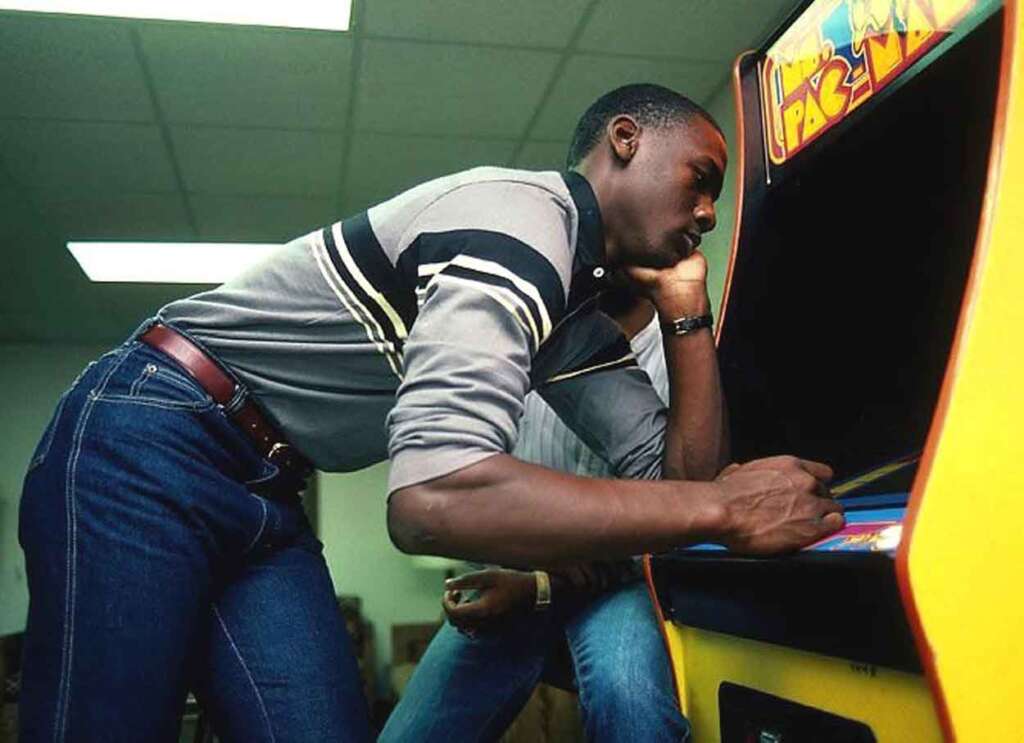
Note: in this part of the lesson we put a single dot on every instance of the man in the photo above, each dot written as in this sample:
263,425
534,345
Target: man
164,541
477,679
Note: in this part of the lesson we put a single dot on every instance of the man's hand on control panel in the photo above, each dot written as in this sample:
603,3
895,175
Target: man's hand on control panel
777,505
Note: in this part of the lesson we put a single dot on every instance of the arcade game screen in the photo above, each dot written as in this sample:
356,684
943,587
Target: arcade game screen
848,282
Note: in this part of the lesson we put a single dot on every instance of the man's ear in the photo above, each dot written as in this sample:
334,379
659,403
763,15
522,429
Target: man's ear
624,137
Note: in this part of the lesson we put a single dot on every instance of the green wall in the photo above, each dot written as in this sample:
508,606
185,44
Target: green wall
363,561
717,244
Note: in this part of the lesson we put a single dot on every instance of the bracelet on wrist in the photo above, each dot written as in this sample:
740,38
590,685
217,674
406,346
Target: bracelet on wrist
543,581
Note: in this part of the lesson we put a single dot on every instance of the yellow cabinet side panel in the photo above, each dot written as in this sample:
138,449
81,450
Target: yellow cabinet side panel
965,554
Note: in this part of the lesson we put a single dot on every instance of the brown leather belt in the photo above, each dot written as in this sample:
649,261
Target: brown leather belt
223,389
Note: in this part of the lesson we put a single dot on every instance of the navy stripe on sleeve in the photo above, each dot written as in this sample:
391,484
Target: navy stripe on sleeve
367,303
368,254
513,255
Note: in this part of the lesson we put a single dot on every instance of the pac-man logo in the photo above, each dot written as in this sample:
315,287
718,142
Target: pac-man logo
837,55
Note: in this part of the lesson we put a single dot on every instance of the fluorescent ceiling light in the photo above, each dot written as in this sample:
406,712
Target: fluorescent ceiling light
328,15
167,263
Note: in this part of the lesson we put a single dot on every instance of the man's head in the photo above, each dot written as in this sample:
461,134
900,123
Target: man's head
656,161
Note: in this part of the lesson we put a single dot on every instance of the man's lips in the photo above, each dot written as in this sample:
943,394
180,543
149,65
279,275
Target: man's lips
692,243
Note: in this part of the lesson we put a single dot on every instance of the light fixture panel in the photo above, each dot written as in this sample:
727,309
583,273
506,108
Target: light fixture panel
167,263
327,15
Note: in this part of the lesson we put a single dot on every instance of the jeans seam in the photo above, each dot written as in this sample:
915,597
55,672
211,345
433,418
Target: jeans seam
134,389
263,526
64,688
248,674
67,651
268,473
182,384
494,715
581,696
170,377
153,403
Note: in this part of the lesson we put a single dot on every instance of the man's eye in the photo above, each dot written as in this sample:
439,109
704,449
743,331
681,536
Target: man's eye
701,176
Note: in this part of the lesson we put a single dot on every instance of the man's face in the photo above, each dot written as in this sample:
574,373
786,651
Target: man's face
668,193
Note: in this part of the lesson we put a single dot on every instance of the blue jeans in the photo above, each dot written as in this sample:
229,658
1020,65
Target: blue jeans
164,554
472,688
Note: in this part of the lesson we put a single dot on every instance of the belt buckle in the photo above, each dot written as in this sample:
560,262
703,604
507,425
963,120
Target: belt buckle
282,454
278,449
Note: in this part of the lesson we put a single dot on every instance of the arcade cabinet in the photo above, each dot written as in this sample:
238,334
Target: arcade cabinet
873,319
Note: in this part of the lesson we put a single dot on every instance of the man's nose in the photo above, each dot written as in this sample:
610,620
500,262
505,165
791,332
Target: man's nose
705,216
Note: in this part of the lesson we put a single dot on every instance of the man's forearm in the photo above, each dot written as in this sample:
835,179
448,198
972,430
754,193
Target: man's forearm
696,442
508,512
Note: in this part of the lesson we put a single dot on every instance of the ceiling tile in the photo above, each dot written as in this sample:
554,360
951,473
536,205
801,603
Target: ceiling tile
71,68
542,156
525,22
259,161
121,217
259,218
586,77
694,29
15,210
61,158
243,76
443,89
382,165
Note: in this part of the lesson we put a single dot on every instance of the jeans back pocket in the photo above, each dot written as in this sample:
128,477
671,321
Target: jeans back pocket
162,384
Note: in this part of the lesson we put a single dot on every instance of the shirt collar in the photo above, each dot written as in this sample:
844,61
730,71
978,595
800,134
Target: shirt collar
590,240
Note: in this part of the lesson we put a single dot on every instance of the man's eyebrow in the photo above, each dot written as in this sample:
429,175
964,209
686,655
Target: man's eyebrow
709,163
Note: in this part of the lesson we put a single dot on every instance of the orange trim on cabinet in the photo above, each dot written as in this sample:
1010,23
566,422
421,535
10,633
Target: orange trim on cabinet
963,324
737,87
652,592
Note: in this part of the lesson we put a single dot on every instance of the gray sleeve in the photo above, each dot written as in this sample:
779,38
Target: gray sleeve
609,402
490,300
467,363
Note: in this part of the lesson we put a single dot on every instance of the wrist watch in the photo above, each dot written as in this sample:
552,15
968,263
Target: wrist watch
543,590
687,324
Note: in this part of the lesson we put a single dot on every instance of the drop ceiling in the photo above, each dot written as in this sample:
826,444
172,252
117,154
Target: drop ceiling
145,130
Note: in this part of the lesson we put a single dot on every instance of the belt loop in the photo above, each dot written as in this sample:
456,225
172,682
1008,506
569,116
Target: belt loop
237,400
139,331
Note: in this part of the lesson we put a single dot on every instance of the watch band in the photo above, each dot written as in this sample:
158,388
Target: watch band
543,590
687,324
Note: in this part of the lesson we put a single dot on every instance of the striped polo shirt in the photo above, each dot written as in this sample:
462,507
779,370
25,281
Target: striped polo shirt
415,330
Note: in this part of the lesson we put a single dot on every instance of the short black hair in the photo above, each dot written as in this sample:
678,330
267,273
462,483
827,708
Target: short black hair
651,105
